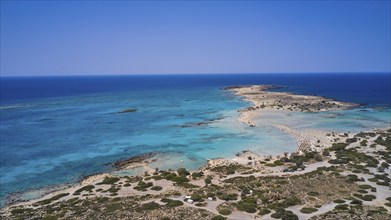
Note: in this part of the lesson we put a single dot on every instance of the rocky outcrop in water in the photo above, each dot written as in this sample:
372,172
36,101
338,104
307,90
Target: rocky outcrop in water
128,110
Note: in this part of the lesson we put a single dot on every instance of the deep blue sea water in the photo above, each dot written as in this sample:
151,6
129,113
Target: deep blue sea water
56,130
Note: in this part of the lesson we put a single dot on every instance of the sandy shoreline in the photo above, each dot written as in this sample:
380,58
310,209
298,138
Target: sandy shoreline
262,99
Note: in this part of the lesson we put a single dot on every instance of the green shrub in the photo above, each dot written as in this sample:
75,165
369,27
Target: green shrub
218,217
156,188
109,180
54,198
196,175
278,163
225,212
157,177
382,183
312,193
365,186
356,202
169,176
248,205
362,191
150,206
112,207
338,146
87,188
174,203
368,197
264,211
307,210
180,179
339,201
196,197
228,197
291,201
342,207
284,215
142,186
183,172
353,178
201,204
18,211
208,180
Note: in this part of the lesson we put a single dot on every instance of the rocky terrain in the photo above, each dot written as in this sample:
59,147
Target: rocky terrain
350,178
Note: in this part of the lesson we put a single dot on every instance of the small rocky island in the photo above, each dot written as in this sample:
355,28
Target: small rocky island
128,110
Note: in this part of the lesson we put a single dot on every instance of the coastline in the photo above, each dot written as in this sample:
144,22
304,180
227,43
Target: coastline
263,99
310,140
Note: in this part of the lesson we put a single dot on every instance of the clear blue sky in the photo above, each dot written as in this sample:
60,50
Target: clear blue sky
123,37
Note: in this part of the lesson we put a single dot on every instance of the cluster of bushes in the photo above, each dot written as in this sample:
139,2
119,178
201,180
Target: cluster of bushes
313,193
225,212
171,202
307,210
87,188
339,201
364,197
197,196
113,190
133,179
197,175
289,201
264,211
284,214
383,166
149,206
248,205
338,146
21,211
389,202
229,169
351,140
208,180
156,188
54,198
342,207
365,134
384,142
173,177
228,197
218,217
109,180
142,186
354,178
356,202
183,172
352,155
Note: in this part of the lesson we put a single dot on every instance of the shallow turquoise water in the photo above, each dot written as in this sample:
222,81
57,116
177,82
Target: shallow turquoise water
355,120
57,141
56,131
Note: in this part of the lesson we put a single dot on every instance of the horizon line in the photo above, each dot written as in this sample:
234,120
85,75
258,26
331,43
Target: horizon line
168,74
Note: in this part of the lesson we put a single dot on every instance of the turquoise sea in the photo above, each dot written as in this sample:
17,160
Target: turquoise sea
57,130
